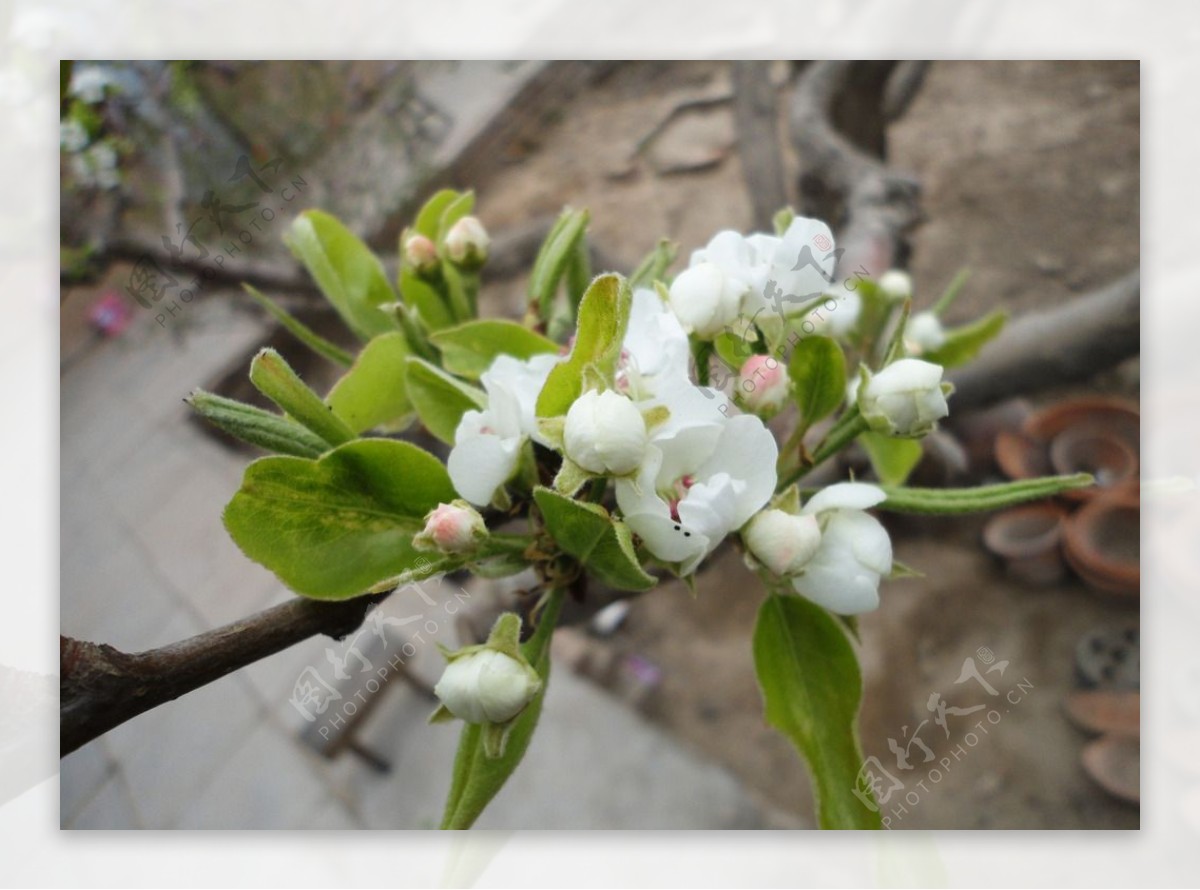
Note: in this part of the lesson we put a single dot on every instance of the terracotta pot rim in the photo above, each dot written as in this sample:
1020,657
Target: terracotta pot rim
1043,543
1092,564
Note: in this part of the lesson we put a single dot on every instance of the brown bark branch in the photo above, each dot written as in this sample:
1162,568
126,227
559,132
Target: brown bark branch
101,687
1070,343
756,114
872,207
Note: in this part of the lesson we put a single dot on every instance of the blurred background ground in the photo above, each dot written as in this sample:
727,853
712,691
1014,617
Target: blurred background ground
1030,173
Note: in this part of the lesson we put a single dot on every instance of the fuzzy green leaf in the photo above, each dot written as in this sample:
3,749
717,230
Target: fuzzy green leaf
469,349
818,371
276,380
603,317
811,686
553,258
347,272
333,527
985,497
439,399
963,344
300,330
893,459
256,426
587,532
374,392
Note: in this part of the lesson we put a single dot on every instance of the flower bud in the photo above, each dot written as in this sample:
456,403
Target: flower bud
705,299
467,242
420,253
904,399
451,528
763,384
783,542
895,284
924,333
486,686
605,433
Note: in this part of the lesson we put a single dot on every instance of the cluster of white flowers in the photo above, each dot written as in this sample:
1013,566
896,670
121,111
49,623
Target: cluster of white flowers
701,470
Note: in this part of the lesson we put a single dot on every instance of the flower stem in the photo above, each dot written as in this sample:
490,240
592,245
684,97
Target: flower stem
842,434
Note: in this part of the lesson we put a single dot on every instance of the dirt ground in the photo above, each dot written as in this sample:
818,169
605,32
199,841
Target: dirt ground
1031,178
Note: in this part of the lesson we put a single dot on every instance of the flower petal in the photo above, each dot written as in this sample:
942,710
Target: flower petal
845,496
746,450
478,465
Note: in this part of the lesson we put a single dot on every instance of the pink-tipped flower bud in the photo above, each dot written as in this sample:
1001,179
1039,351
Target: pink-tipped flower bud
456,527
420,253
763,384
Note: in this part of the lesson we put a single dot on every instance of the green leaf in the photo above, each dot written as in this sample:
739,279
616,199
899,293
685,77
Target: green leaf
424,298
429,217
469,349
603,317
374,392
439,399
256,426
963,343
818,371
981,499
477,777
952,291
333,527
300,330
347,272
893,459
654,265
276,380
454,210
553,258
587,532
811,687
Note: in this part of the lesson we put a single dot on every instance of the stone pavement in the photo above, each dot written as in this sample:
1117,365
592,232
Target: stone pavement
145,561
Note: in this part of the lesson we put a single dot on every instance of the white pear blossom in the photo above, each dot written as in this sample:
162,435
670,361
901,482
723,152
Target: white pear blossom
855,550
904,399
699,483
924,333
896,284
467,242
653,369
840,320
778,275
605,433
763,384
705,299
487,686
783,542
452,528
487,443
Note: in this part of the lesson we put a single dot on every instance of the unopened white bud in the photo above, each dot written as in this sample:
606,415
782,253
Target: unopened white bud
895,284
904,399
705,299
467,242
783,542
605,433
924,333
487,686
